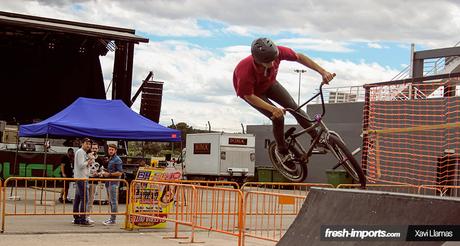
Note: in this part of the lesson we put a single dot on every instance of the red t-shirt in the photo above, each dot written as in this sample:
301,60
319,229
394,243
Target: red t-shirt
249,79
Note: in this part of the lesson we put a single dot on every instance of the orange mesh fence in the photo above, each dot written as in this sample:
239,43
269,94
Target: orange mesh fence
268,215
442,190
34,196
412,131
300,189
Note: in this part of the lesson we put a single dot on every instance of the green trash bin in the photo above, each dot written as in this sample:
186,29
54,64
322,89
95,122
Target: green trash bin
278,177
336,177
264,174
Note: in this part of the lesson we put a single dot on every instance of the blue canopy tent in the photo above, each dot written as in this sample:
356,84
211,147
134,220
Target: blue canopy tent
98,118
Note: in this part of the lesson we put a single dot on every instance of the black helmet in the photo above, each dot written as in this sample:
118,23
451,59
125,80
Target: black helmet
264,50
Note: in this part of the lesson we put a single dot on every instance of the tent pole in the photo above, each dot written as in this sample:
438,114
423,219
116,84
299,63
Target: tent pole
15,159
44,165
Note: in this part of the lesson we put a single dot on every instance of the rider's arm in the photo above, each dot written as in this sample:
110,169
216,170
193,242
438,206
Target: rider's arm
256,101
306,61
62,170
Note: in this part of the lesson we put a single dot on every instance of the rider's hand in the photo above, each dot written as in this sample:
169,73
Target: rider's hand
277,113
327,76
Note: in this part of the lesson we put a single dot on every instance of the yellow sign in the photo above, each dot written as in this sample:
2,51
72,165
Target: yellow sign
153,198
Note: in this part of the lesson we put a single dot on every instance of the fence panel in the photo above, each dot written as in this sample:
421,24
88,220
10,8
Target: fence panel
35,196
268,215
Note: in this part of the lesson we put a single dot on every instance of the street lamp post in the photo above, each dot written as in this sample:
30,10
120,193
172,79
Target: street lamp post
300,72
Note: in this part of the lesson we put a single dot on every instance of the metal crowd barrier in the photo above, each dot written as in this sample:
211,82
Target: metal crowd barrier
220,210
32,196
300,189
268,215
206,183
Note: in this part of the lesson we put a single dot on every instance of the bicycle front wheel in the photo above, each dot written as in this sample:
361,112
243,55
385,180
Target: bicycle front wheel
347,160
295,171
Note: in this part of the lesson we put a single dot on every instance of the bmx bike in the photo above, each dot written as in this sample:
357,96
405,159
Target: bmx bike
293,166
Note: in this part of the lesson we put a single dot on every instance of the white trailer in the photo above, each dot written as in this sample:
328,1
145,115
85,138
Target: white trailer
219,156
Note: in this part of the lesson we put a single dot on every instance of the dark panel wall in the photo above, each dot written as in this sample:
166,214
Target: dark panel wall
38,78
344,118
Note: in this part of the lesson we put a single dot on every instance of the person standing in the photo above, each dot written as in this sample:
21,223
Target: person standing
81,172
66,172
114,171
94,173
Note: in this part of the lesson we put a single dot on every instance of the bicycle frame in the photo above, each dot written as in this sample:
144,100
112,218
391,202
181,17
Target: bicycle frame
318,123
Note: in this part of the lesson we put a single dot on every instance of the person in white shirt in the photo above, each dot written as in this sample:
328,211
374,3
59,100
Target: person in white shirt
81,171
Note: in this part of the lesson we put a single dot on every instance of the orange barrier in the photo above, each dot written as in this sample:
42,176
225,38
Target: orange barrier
31,196
206,183
220,210
268,215
300,189
200,207
153,203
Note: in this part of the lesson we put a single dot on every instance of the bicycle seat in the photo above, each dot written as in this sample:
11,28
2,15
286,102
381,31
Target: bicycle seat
289,132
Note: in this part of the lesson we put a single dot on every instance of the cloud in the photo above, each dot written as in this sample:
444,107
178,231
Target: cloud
242,31
198,84
374,45
198,79
424,22
315,44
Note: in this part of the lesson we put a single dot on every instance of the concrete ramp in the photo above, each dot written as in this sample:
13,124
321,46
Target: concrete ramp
358,207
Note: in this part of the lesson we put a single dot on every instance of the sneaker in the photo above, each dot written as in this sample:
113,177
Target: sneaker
109,222
281,155
86,223
61,200
90,220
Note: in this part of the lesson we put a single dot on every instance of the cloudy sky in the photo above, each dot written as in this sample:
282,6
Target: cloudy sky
195,44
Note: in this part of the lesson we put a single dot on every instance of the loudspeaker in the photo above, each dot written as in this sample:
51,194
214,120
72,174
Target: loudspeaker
152,94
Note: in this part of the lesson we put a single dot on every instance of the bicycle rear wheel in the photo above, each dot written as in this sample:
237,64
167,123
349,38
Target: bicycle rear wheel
298,171
347,160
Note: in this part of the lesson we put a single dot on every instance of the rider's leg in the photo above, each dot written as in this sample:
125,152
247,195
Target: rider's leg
281,96
278,126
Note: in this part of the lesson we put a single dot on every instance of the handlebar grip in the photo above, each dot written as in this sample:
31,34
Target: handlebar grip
333,76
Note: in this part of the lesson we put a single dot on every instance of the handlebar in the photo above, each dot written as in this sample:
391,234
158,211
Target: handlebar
317,117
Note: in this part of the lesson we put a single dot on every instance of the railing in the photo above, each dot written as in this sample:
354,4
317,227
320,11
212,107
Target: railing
343,94
435,67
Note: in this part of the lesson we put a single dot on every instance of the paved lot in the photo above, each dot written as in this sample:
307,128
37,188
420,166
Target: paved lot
58,230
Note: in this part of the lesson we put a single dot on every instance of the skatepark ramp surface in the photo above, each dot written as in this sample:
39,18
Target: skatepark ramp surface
329,209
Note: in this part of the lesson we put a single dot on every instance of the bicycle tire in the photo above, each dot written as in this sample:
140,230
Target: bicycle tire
301,170
351,166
